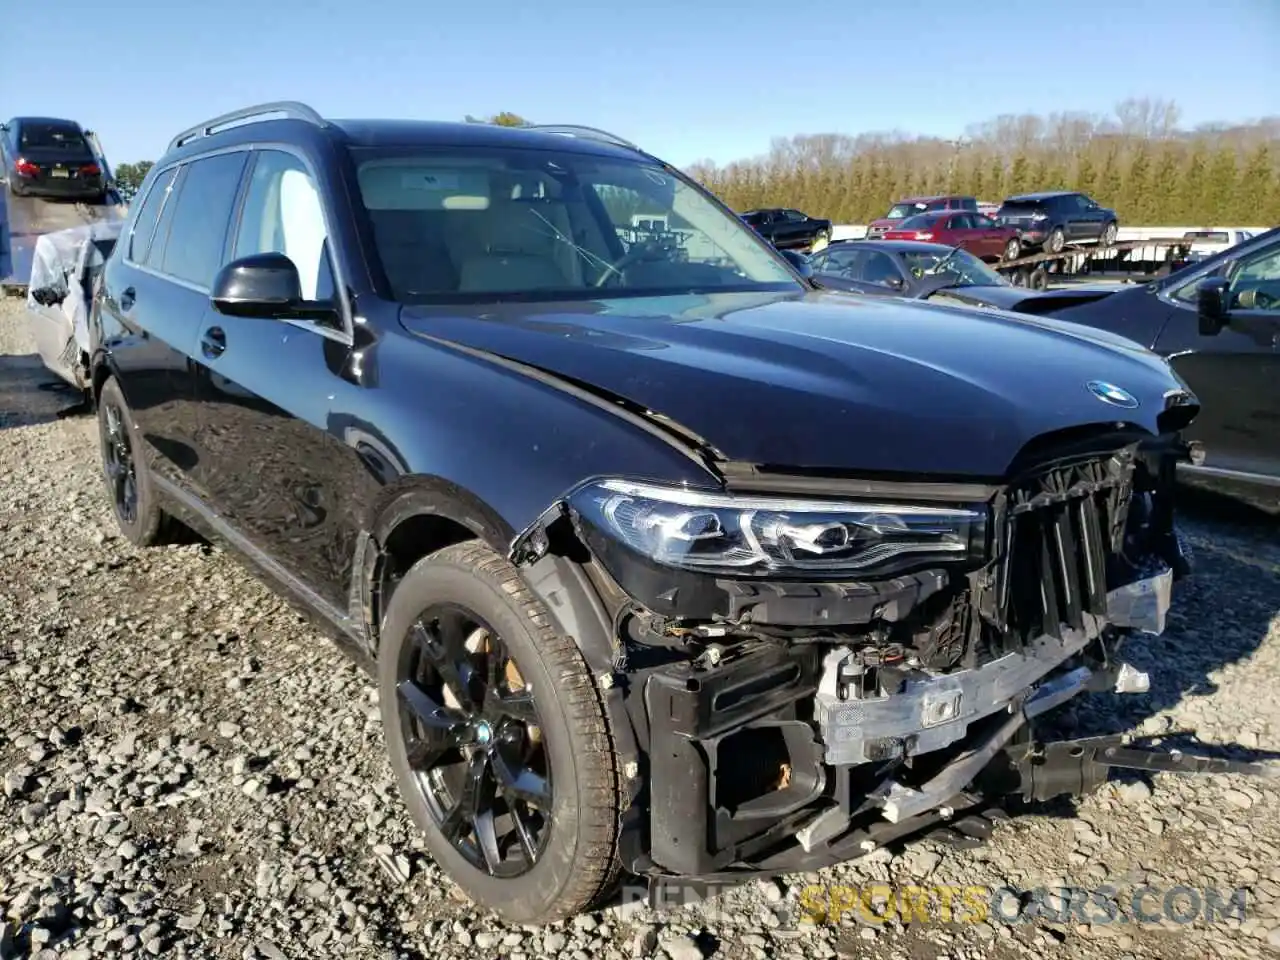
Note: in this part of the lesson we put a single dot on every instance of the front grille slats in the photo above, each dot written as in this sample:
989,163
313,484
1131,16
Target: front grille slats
1064,526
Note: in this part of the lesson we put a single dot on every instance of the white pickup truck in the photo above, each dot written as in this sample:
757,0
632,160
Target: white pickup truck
1207,242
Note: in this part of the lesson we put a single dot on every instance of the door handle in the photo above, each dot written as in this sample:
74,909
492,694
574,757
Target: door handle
213,342
127,296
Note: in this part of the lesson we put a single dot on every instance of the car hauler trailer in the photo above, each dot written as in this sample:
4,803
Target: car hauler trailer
1136,260
23,220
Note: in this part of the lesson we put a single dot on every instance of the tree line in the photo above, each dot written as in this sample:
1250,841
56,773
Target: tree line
1138,160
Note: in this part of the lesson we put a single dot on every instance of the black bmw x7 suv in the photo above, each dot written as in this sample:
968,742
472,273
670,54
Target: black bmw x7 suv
665,562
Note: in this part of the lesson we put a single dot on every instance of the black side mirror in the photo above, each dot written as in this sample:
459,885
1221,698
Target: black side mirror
894,283
799,261
265,285
1211,301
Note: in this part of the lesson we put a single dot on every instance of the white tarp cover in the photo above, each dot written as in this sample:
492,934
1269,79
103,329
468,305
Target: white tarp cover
64,266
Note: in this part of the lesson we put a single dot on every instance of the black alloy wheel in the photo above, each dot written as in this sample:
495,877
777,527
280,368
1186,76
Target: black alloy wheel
134,501
118,463
497,734
474,741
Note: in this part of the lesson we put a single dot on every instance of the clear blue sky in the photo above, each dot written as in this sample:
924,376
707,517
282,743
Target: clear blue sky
688,80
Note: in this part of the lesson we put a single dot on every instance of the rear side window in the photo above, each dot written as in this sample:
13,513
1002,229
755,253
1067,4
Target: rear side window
968,203
199,230
144,225
1021,208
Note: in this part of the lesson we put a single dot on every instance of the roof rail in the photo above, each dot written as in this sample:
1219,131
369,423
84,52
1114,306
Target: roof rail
586,133
289,108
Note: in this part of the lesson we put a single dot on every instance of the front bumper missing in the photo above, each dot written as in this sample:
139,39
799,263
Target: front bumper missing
756,766
932,712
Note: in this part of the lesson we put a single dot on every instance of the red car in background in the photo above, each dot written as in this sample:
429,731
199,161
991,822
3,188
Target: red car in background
985,238
914,206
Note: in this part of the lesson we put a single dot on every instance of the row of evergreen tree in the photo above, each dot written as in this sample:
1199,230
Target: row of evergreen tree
1141,164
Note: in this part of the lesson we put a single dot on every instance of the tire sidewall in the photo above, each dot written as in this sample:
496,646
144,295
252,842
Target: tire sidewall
147,516
528,897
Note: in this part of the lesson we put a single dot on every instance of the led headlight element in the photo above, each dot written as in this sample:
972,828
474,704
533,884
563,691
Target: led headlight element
695,530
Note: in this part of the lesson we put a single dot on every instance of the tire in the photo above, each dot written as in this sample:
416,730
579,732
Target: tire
1057,240
120,444
1109,232
1012,249
1039,279
574,860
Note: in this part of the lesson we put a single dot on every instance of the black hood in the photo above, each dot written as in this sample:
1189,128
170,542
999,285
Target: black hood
826,380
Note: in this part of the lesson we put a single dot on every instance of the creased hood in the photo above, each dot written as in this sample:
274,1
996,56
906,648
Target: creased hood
827,380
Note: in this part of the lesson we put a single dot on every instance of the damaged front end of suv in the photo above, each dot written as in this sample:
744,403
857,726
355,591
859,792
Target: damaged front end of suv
809,666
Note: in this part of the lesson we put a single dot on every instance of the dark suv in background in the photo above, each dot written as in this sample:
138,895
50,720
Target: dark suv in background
788,229
50,157
1052,219
664,561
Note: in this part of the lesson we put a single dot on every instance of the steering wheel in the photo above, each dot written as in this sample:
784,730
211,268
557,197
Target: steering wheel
637,253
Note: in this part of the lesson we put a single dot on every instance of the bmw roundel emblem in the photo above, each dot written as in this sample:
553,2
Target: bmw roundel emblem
1110,393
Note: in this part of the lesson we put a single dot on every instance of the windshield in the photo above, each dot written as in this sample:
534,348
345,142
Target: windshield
900,210
957,267
483,223
52,136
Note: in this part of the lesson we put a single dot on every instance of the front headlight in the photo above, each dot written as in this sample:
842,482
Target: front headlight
753,536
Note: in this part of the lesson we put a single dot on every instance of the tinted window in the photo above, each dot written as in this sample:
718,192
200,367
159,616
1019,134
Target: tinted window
843,262
53,136
961,221
1021,208
282,213
160,241
921,222
199,228
879,268
144,223
968,203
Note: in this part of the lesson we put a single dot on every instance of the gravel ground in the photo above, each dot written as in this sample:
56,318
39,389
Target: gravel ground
190,771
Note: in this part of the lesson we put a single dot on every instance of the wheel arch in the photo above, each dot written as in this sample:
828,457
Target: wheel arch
414,516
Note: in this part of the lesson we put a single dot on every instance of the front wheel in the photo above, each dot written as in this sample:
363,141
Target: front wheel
1109,234
1013,249
498,738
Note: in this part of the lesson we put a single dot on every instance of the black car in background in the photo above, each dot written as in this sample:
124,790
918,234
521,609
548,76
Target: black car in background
50,157
1051,219
787,229
933,271
664,561
1218,323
